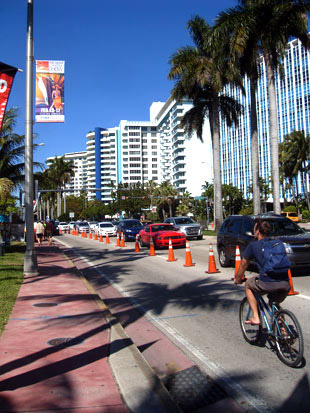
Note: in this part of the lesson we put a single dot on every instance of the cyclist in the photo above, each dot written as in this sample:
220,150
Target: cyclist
275,285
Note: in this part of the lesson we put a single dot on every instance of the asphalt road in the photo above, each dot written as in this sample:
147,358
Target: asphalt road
199,313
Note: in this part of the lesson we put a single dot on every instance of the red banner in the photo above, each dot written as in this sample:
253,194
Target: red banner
7,74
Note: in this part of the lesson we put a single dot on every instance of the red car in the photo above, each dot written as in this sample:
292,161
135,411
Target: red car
161,233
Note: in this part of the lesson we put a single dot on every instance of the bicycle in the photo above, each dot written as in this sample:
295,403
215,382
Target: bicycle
281,326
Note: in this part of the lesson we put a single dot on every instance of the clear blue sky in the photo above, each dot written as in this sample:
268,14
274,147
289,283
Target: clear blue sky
116,54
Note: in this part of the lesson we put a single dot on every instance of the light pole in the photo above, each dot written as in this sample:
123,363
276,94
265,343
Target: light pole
30,260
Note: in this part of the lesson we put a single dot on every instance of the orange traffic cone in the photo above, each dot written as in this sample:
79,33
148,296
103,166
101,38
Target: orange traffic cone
73,232
152,248
212,267
170,254
188,256
292,291
100,238
60,231
137,246
237,261
122,240
96,236
107,239
90,235
117,240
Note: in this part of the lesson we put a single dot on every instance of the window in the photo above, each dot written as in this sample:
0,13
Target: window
235,226
153,129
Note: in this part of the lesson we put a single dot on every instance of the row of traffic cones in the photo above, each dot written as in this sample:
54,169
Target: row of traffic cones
188,257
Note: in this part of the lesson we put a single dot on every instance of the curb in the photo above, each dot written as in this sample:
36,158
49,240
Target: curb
140,387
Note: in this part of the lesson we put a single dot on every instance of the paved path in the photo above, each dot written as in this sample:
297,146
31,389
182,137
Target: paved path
64,350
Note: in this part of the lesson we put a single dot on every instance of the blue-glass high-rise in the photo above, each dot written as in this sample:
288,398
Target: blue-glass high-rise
293,101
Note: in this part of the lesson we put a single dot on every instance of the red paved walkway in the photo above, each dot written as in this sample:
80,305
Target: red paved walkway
37,376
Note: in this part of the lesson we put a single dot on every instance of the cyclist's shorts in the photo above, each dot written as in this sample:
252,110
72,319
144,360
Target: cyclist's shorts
277,291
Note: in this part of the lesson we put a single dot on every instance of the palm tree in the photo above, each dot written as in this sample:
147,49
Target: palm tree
230,25
6,186
12,150
266,27
59,172
166,197
201,72
296,150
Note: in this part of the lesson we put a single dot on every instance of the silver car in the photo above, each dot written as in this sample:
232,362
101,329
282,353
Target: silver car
189,227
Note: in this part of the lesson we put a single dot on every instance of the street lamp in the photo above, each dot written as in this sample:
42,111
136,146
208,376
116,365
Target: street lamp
30,259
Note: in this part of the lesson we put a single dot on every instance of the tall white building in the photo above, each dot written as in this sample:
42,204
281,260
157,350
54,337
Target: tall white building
140,151
186,163
79,181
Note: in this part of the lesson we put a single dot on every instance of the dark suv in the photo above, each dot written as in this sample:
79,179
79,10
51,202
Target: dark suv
130,228
239,230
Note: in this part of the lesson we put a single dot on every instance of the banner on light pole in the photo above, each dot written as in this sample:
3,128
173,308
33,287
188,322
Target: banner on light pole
50,91
7,74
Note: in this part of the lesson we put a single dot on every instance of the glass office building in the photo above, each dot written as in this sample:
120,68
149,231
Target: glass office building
293,100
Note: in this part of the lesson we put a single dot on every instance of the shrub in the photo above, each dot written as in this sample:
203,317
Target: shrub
290,208
305,214
246,211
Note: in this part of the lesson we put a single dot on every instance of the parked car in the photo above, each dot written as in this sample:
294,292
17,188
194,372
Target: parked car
64,226
92,225
72,225
105,228
185,224
239,230
130,228
82,226
291,215
161,233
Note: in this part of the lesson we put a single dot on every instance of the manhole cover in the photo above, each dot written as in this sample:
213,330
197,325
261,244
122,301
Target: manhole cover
69,341
45,305
192,389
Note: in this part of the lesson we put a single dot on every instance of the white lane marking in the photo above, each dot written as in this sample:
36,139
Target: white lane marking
256,402
306,297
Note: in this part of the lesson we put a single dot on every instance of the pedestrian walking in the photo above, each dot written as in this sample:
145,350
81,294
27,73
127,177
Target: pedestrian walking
49,231
39,232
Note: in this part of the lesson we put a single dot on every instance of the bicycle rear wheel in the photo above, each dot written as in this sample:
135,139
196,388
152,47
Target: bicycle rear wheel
251,333
289,339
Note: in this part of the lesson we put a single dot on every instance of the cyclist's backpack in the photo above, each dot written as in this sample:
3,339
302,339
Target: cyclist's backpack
275,260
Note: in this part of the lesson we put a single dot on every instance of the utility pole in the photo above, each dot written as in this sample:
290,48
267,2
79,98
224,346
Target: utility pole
30,259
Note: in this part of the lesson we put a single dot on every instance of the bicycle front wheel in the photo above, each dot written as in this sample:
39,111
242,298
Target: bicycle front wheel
289,339
251,333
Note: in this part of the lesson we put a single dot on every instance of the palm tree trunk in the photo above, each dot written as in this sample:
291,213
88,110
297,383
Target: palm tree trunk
48,208
218,203
254,150
306,191
274,135
58,204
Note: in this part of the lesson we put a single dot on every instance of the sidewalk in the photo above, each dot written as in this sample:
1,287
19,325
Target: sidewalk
41,370
63,350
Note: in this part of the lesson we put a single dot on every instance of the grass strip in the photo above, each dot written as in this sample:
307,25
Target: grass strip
209,232
11,278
